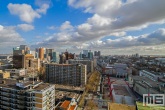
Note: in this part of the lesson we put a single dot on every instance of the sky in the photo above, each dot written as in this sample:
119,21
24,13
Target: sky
112,26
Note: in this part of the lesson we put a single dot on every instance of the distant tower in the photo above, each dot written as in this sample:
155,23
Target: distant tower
41,53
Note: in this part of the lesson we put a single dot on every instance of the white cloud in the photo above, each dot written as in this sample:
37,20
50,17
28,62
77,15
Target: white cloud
9,38
1,27
66,26
51,27
25,27
115,17
25,12
43,9
111,18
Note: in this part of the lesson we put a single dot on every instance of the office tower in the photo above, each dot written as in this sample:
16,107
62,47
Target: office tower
85,53
67,74
18,61
90,55
41,53
56,57
26,95
49,52
97,53
25,48
19,56
18,51
80,56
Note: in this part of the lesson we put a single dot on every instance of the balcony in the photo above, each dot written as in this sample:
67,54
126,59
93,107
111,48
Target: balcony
5,94
21,107
5,90
5,99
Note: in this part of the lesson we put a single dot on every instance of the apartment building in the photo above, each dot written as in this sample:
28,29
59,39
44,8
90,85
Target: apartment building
26,95
68,74
89,63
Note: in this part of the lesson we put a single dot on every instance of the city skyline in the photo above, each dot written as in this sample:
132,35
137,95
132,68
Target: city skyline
114,27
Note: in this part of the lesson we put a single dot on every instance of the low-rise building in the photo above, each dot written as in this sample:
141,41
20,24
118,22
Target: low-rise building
155,76
4,74
16,72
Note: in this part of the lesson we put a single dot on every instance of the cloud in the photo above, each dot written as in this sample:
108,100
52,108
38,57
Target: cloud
155,38
9,38
115,16
25,12
51,27
1,27
43,9
66,26
25,27
111,18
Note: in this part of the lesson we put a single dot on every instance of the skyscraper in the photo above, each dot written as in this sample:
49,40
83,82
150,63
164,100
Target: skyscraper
41,53
55,57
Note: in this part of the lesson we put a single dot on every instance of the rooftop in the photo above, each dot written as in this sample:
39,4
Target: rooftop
61,94
146,79
72,107
65,104
115,106
152,72
59,86
121,90
25,85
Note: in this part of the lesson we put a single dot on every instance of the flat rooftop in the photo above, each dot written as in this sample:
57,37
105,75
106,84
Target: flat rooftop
14,84
121,90
42,86
61,94
59,86
146,79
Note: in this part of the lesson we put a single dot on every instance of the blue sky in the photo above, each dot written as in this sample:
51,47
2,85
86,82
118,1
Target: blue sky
114,27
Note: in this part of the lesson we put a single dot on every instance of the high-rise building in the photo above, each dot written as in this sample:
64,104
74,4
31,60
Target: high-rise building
97,53
68,74
19,56
32,65
18,61
90,55
41,53
56,57
26,95
89,63
85,52
49,52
